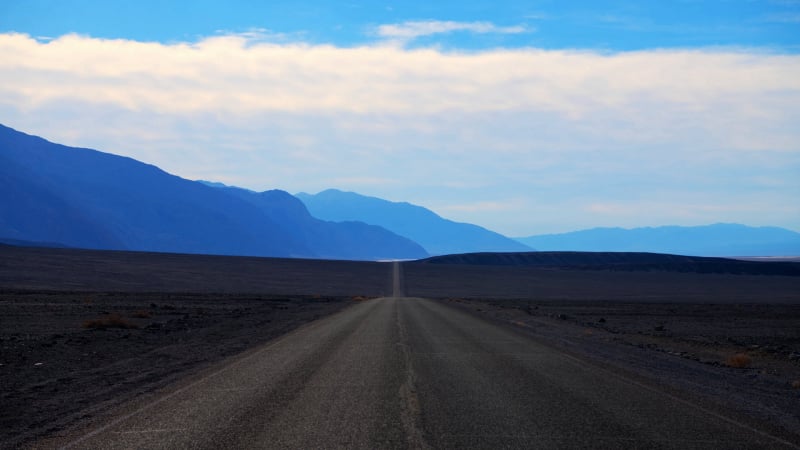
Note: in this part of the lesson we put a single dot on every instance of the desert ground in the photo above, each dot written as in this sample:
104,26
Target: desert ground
84,332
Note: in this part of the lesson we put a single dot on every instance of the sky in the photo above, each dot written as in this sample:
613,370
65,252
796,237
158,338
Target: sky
526,117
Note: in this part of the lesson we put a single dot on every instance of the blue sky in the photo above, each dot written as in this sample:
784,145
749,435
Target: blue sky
616,25
525,117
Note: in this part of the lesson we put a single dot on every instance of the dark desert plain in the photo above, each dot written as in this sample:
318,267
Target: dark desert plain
102,349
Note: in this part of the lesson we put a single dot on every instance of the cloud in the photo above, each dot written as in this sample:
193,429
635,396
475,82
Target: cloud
786,17
234,74
554,130
410,30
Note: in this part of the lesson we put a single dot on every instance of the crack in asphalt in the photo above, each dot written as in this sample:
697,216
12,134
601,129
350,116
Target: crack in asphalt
409,400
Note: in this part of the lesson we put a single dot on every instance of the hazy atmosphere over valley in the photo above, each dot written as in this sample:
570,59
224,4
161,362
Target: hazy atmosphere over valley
525,118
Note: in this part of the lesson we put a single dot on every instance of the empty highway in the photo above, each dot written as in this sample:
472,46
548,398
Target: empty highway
412,373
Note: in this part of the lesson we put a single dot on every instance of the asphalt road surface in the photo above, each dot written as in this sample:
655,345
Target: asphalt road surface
412,373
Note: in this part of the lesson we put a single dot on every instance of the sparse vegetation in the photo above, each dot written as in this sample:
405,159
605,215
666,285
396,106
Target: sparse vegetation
739,360
142,314
109,321
796,384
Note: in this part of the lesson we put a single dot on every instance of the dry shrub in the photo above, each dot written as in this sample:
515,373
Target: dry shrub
739,360
796,384
109,321
142,314
359,298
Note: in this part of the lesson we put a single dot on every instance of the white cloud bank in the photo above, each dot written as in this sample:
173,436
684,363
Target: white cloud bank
539,129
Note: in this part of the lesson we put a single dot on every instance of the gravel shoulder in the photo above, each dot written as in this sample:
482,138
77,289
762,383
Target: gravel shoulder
69,357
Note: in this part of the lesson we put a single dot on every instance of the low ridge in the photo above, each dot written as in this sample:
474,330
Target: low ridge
621,261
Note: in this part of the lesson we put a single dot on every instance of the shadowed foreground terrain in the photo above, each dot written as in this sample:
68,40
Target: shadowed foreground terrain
82,331
672,332
414,373
68,355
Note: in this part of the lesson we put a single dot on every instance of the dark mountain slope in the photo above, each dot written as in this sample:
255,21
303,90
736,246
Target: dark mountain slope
89,199
438,235
35,211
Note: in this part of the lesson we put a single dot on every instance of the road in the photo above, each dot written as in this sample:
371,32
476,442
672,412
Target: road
412,373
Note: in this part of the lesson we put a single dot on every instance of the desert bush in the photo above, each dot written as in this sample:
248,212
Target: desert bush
109,321
739,360
142,314
796,384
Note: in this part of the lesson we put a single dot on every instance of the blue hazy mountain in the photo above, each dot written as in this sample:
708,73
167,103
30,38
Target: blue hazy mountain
720,239
84,198
350,239
438,235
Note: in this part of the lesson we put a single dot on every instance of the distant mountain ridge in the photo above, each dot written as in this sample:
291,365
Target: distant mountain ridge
710,240
620,261
437,235
89,199
19,243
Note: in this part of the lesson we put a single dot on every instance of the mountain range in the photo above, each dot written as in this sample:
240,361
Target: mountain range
84,198
54,195
721,239
437,235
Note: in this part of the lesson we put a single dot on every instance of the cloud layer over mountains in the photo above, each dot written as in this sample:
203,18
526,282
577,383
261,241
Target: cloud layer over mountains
508,138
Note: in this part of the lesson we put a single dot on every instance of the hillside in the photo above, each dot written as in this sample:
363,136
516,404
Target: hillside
84,198
437,235
710,240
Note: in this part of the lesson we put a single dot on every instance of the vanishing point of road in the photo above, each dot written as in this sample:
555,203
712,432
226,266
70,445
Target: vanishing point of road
402,372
